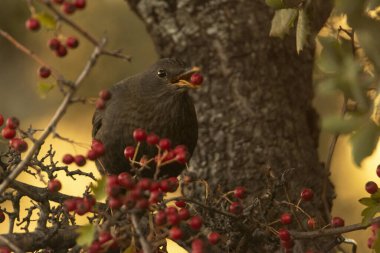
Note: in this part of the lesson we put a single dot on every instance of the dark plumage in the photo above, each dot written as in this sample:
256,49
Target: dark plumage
154,100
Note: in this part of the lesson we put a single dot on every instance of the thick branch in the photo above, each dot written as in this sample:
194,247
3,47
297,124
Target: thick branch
61,239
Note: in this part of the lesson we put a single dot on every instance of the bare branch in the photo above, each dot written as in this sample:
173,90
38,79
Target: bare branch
144,243
54,121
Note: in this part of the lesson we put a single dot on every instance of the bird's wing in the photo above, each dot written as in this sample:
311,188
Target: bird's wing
96,122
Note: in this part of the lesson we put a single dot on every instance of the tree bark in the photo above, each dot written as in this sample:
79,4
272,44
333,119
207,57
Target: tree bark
254,110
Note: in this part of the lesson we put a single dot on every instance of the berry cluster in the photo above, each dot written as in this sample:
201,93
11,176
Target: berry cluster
104,96
60,48
97,149
9,132
80,206
165,154
69,7
103,242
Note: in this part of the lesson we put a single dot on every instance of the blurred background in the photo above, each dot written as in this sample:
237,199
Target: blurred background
19,95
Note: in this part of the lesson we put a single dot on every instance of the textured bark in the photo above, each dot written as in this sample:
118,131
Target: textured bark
254,109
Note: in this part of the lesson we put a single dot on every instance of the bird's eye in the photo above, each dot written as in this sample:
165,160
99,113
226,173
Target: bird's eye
161,73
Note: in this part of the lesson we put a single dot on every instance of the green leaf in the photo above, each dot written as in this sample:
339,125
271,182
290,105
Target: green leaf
131,248
275,4
99,189
368,213
86,234
302,30
46,20
337,124
44,88
282,22
376,196
364,141
330,58
368,202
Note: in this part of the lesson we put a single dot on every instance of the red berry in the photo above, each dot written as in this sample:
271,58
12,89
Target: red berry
80,160
18,144
286,218
58,1
125,180
44,72
175,233
196,79
90,199
371,187
95,247
104,236
378,170
32,24
180,149
68,8
54,43
307,194
144,183
70,204
54,185
173,218
180,203
160,218
152,139
105,95
213,238
337,222
4,249
184,213
72,42
311,223
68,159
154,186
92,155
82,207
80,4
12,122
142,204
197,246
129,152
239,192
114,203
61,51
8,133
195,222
98,147
181,158
155,196
2,216
170,210
164,144
1,120
139,134
173,184
235,208
100,104
284,234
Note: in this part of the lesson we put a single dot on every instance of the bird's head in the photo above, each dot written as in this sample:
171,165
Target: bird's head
170,74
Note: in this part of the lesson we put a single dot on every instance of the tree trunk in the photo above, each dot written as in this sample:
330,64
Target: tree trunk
254,110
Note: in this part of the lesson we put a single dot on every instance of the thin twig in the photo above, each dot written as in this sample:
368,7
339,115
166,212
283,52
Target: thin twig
332,231
28,52
144,243
54,121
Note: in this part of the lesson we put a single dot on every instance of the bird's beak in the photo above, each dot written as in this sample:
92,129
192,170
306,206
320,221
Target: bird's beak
184,79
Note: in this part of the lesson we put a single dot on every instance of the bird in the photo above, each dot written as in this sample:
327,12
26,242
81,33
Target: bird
156,100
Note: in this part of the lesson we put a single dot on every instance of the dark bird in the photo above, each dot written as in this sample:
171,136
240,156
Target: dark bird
156,100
